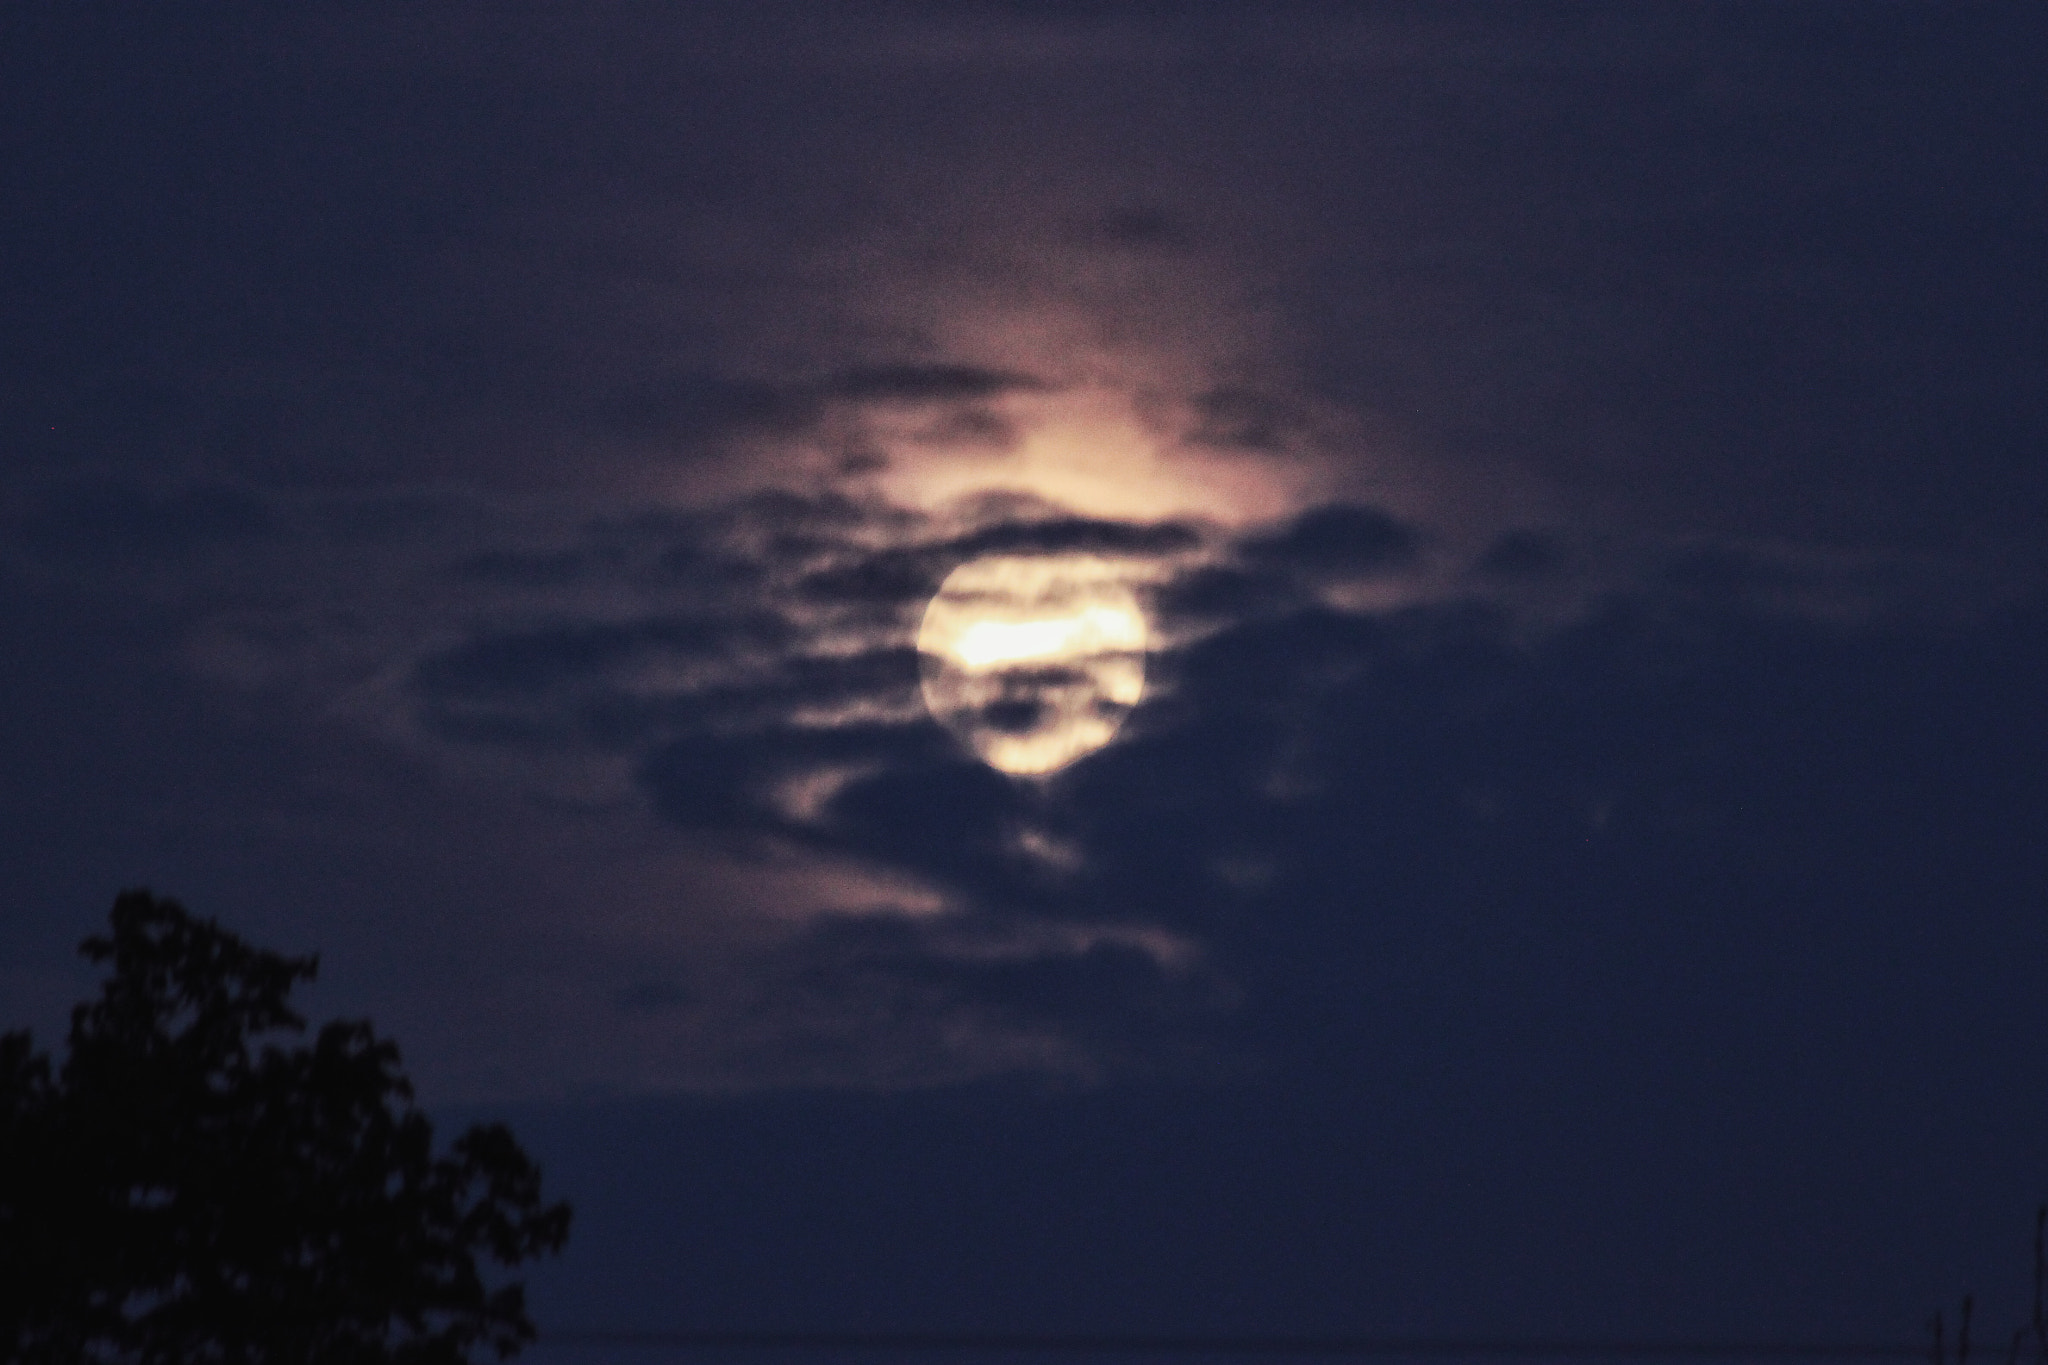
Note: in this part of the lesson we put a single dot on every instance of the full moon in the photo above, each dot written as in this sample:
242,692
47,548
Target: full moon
1033,660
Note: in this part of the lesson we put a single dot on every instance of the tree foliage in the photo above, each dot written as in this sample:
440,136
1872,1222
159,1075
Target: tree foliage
194,1185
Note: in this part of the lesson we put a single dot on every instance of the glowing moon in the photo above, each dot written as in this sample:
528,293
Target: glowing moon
1033,660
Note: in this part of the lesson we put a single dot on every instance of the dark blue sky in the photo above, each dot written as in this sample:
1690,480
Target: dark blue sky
472,476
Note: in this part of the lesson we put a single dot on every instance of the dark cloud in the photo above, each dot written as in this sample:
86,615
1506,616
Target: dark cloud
1340,774
1378,825
555,690
901,574
1228,593
532,662
1101,995
1393,777
1066,534
786,512
887,670
729,780
1245,419
1339,539
704,569
927,384
972,427
894,576
1523,557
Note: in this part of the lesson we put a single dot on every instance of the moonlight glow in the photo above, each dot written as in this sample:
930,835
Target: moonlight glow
1034,661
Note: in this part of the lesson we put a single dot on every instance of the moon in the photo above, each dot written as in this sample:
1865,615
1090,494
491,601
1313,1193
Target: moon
1033,660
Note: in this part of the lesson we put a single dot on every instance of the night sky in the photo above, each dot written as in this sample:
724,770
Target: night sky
471,478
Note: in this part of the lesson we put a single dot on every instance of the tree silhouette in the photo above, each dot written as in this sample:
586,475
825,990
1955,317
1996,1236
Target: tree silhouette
185,1189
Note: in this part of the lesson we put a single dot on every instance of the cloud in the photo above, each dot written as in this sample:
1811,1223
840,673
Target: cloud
1338,540
1315,809
746,675
890,1003
739,682
1245,419
905,574
541,432
528,662
703,407
1227,593
1055,535
1522,556
927,384
888,576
